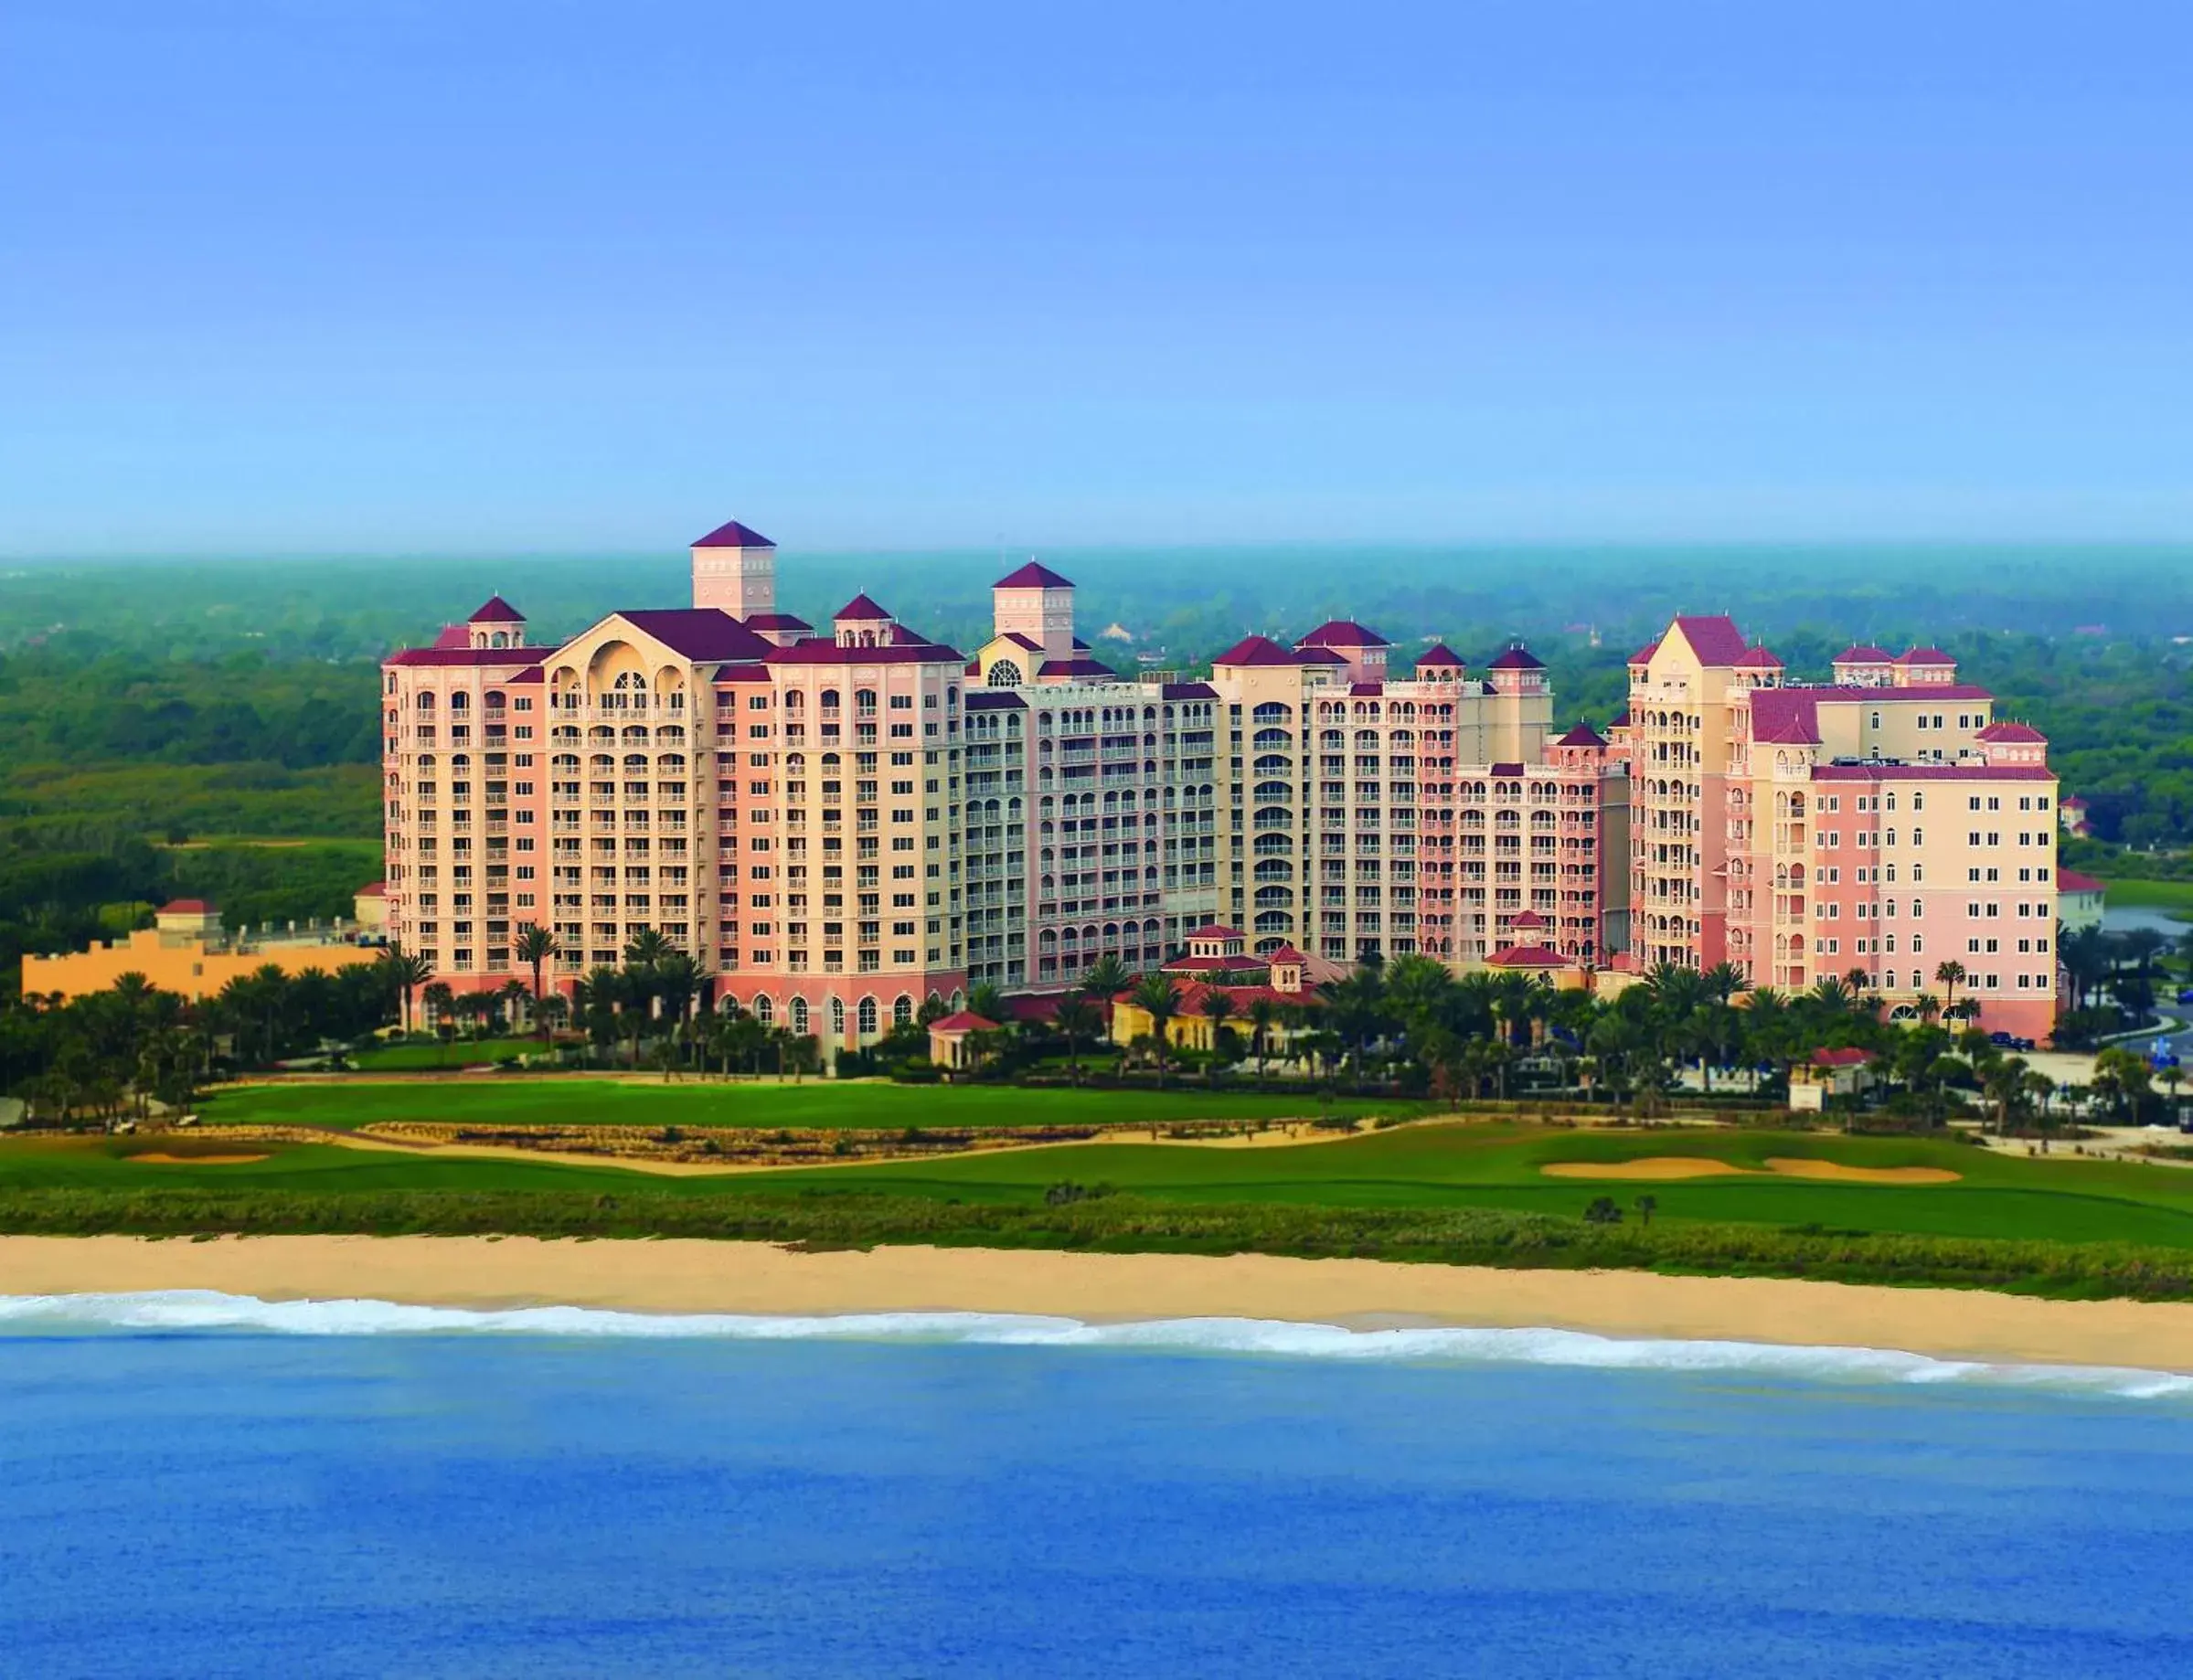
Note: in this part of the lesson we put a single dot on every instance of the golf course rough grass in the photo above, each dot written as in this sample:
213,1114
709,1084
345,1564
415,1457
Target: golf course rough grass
506,1100
1429,1168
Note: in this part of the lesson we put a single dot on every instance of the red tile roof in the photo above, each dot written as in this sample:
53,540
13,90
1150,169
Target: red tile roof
698,632
1643,656
1256,651
732,535
776,621
1033,577
1529,956
2070,880
1029,642
1784,715
1584,735
1923,656
1214,965
965,1021
185,907
1439,654
1865,654
742,674
1287,953
1342,632
376,889
822,651
1527,919
521,657
1075,668
496,611
1212,930
1191,691
1319,656
452,635
2006,730
1852,1057
1759,659
860,609
1516,658
1713,637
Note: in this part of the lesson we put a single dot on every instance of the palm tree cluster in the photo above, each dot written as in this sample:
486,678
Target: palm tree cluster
110,1055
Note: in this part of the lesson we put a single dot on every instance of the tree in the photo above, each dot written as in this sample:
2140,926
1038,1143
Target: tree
1603,1211
1106,977
1077,1019
441,1004
1949,974
1262,1014
1156,997
1647,1206
1217,1006
406,972
985,1000
534,946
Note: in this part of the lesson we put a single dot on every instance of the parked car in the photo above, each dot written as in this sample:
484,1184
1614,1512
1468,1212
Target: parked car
2184,995
2009,1041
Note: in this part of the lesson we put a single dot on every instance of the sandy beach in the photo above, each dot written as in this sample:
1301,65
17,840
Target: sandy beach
686,1276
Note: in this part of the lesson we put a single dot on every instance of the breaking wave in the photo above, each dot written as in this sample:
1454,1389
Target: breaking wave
208,1309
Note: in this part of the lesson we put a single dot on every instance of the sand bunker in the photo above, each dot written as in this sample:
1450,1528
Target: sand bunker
1797,1168
1651,1166
1790,1166
157,1159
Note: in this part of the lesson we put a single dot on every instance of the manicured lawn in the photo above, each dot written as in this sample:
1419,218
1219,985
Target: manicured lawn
1438,1166
504,1100
1499,1167
459,1053
2172,897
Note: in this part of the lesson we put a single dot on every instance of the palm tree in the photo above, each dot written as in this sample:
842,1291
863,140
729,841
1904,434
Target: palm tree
1722,981
1216,1005
1262,1014
405,972
1077,1019
648,947
1107,977
1950,974
535,945
513,994
987,1001
441,1004
677,980
1156,997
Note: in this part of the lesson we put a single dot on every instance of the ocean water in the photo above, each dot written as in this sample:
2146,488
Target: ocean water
195,1485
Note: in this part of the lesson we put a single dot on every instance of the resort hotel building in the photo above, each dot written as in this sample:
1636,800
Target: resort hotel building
841,823
1885,822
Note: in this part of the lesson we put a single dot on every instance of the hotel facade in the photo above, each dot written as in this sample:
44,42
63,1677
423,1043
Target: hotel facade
1884,822
842,823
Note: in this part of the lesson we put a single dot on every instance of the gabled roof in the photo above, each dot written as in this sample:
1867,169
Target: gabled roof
965,1021
1287,954
2070,880
2008,731
1851,1057
1028,643
1643,656
1864,654
1713,637
1256,651
1784,716
1033,577
1518,658
2071,802
1319,656
860,608
1923,656
1342,632
496,611
1584,735
375,889
451,635
742,674
1527,919
732,535
699,632
1759,659
1529,956
1439,654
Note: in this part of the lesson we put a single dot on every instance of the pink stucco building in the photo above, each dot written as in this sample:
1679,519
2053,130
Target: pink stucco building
841,824
1884,822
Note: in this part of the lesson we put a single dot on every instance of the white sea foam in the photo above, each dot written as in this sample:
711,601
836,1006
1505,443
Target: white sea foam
207,1310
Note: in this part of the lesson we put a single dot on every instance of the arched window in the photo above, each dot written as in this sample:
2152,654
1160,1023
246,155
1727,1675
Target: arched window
799,1016
903,1011
764,1011
867,1017
837,1018
1004,674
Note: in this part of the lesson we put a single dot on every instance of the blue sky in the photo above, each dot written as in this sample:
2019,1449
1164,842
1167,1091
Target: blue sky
291,275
